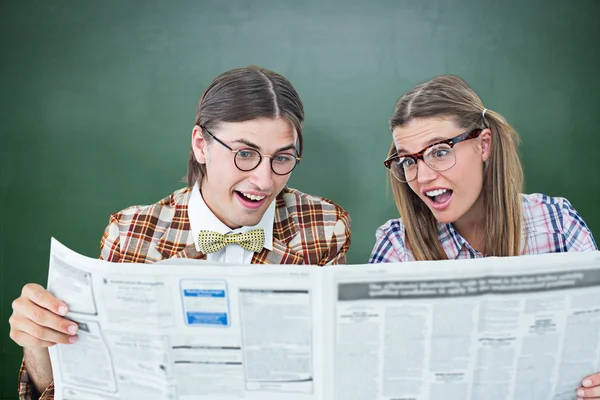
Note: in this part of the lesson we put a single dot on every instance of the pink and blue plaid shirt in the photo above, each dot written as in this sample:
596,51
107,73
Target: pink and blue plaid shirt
550,225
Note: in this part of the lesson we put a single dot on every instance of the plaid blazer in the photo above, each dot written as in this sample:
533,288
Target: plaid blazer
307,230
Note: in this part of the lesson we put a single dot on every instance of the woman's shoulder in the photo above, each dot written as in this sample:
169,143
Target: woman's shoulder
543,199
539,205
543,214
392,226
390,245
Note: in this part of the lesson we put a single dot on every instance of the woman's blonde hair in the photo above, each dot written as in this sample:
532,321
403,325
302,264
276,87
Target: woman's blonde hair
450,97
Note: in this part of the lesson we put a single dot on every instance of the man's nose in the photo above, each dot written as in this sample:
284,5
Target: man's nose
262,175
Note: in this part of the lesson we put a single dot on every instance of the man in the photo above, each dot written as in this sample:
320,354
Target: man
246,141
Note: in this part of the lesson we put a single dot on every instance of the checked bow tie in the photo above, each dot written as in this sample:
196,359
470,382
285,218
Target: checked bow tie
210,242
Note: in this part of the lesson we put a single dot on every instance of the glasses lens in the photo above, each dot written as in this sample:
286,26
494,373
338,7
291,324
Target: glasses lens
283,164
440,157
247,159
404,169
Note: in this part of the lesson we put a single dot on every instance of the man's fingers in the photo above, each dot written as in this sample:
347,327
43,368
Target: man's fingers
588,393
36,321
590,387
25,340
25,309
591,381
43,298
26,333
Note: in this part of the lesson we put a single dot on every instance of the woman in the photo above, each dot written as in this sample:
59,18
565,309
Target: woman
457,183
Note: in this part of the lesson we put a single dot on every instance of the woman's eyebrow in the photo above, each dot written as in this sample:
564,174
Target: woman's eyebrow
428,143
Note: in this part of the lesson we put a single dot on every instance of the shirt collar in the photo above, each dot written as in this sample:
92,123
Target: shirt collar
202,218
452,241
531,224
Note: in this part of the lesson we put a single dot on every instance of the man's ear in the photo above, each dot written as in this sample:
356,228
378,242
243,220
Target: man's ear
486,144
199,145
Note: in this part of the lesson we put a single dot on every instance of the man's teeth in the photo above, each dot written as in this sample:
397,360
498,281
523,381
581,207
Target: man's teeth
253,197
437,192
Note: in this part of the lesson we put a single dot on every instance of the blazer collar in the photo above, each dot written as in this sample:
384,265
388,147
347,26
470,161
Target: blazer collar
178,242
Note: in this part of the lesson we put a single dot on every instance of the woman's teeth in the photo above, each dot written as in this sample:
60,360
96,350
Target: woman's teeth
437,192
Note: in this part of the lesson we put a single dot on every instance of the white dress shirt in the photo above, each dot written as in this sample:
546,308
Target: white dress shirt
202,218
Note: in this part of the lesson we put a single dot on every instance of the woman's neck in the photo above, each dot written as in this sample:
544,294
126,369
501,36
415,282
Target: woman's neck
471,226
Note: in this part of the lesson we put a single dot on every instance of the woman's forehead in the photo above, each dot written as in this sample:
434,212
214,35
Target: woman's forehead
417,134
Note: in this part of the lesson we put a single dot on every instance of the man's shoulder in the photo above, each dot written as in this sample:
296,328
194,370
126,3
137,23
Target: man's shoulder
313,226
307,207
164,208
148,223
148,233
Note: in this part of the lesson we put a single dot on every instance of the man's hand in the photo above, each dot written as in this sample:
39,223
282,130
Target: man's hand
37,323
590,387
37,319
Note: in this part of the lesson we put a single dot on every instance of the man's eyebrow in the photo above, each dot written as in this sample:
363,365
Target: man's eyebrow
288,147
247,143
254,146
427,144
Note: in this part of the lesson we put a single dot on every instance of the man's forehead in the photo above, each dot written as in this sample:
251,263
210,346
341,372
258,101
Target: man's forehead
259,126
261,136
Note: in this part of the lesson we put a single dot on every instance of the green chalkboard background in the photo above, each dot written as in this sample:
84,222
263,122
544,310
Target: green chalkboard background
97,101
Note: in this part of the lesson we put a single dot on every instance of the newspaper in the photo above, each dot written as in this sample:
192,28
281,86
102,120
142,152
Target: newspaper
495,328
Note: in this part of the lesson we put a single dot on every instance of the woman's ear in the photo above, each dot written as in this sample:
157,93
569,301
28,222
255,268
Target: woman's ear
486,144
199,145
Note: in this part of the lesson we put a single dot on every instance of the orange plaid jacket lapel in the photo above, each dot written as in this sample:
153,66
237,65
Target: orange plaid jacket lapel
178,241
162,231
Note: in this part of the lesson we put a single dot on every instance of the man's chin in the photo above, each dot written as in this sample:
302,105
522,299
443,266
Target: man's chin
250,220
248,216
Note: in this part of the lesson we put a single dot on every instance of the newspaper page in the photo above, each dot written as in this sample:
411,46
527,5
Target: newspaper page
184,331
495,328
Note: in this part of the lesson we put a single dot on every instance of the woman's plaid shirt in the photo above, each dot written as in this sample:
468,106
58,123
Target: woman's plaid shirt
550,225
